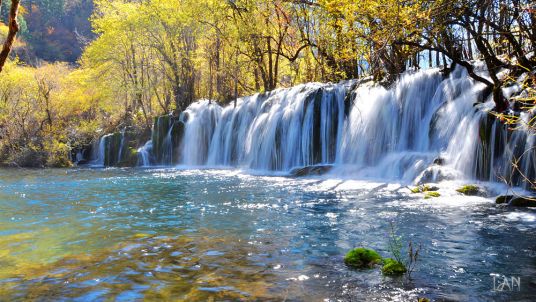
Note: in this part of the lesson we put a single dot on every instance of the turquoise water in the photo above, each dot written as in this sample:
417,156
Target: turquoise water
169,234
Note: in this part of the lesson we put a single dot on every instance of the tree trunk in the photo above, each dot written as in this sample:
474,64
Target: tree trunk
13,29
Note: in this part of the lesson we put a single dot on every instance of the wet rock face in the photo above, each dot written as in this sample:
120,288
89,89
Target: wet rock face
167,136
177,135
434,174
161,127
311,170
112,147
439,161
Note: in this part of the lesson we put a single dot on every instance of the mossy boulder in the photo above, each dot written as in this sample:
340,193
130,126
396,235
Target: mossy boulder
362,258
470,190
391,267
429,195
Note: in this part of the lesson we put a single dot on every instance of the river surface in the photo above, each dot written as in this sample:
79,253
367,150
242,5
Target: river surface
197,235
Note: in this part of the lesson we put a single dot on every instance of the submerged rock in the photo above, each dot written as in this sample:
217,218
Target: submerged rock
391,267
362,258
311,170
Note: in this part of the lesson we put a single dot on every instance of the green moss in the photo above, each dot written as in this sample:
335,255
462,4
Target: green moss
391,267
469,190
429,195
423,188
362,258
416,190
130,158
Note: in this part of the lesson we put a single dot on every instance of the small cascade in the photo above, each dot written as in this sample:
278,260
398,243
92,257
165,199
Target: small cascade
498,146
109,150
144,154
200,120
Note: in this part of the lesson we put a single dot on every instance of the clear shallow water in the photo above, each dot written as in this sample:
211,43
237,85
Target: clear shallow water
171,234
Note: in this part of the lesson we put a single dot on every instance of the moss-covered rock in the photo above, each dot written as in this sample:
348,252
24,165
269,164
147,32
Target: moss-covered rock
424,188
416,190
429,195
130,159
362,258
470,190
391,267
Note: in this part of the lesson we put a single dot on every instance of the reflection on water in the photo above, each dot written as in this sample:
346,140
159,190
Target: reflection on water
199,235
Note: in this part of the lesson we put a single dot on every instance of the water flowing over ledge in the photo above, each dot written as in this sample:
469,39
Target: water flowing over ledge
426,127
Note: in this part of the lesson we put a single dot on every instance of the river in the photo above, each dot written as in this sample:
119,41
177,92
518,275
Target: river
196,235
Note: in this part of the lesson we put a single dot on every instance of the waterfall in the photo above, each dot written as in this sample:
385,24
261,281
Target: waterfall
427,126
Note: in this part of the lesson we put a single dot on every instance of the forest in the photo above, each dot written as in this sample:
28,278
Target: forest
79,69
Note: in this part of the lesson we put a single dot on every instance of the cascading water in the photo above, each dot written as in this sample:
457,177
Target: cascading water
275,131
144,154
366,130
109,150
